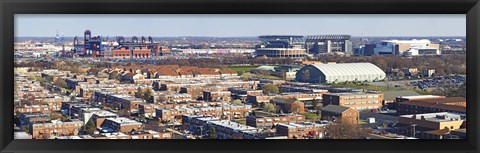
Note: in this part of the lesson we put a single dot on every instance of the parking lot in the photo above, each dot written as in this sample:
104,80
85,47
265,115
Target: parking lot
438,82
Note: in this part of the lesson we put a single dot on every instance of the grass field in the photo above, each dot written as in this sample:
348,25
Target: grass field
362,121
242,69
423,92
365,86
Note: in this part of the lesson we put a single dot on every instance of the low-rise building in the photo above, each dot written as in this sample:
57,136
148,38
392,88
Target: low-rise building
339,113
120,101
120,124
147,110
217,95
27,118
357,100
289,106
302,130
304,97
46,130
33,109
453,104
431,125
226,111
270,121
99,117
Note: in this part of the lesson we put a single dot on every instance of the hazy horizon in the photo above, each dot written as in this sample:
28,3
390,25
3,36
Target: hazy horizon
192,25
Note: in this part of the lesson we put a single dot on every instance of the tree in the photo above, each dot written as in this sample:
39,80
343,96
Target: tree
60,83
102,75
236,102
147,96
270,89
400,74
268,107
25,129
212,134
345,130
56,116
315,103
451,90
90,127
297,107
139,93
289,102
246,76
310,116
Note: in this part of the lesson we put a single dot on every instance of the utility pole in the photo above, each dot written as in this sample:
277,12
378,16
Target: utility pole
413,126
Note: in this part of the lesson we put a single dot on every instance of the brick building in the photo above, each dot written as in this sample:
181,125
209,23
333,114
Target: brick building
46,130
33,109
269,121
120,124
147,110
453,104
431,125
337,113
302,130
217,95
357,100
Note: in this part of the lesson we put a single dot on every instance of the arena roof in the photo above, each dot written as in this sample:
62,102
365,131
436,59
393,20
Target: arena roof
349,69
316,38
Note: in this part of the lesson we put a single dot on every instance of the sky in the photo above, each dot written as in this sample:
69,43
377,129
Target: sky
174,25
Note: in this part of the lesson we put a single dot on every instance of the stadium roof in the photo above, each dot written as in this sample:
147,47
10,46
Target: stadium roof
349,69
316,38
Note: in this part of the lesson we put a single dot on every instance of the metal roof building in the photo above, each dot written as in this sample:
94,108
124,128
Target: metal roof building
329,73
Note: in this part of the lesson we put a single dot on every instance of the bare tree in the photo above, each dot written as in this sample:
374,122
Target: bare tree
346,130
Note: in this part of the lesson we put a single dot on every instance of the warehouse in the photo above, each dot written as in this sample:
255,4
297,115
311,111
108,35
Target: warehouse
329,73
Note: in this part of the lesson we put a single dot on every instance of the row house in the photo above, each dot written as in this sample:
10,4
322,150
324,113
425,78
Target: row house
270,121
257,99
226,111
119,124
242,93
217,96
123,102
177,97
54,103
27,118
46,130
302,130
147,110
33,109
226,129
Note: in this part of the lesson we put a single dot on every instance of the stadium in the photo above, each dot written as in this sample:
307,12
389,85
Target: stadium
281,46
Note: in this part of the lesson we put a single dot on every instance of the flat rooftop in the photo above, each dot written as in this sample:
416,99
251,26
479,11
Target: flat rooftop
421,96
302,125
103,113
124,121
351,93
233,125
438,117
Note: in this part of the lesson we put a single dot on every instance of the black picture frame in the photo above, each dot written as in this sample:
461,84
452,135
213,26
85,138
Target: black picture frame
11,7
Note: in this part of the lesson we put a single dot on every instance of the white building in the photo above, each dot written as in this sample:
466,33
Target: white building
402,47
342,72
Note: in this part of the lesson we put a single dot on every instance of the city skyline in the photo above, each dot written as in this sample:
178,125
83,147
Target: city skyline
239,25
